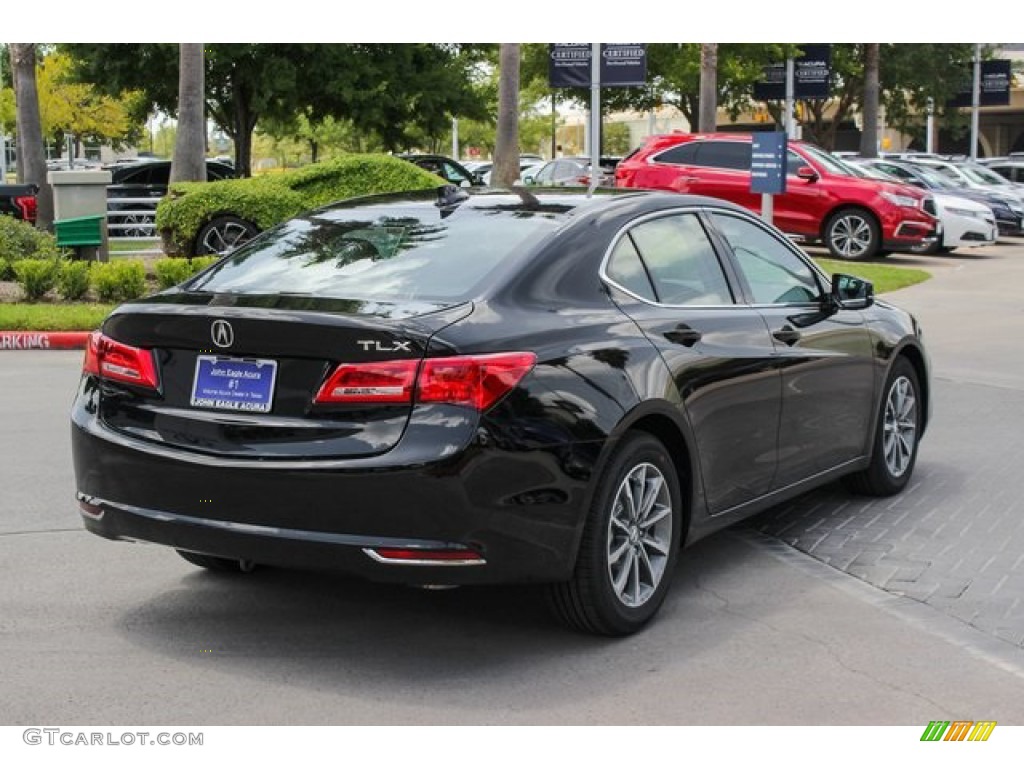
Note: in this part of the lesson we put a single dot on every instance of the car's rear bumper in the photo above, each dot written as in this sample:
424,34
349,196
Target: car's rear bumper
517,512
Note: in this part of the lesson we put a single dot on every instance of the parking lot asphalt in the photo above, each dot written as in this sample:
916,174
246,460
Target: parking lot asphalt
832,610
954,540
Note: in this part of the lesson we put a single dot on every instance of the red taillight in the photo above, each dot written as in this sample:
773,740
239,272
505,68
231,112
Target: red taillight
478,381
385,382
27,205
115,361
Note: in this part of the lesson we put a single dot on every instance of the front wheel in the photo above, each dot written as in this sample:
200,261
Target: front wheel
852,234
223,234
897,433
630,543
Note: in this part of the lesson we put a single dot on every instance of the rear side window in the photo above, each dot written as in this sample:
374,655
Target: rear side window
681,261
734,155
684,154
383,253
626,269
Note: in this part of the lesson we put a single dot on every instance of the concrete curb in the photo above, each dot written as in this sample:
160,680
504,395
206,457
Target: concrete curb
22,340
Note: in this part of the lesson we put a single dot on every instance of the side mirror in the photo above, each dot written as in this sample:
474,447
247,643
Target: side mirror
806,173
850,292
465,183
527,180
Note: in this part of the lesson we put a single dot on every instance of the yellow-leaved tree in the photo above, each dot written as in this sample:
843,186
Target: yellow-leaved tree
67,106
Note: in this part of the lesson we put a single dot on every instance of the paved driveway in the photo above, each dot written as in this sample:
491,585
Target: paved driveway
955,539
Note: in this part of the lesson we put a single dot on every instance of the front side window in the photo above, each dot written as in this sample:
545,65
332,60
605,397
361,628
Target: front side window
774,273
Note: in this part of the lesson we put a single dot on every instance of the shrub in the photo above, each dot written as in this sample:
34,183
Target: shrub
174,271
199,263
36,276
121,280
269,200
170,272
19,240
73,279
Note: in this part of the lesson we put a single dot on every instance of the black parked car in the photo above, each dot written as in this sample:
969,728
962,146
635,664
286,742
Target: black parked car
145,179
468,388
452,171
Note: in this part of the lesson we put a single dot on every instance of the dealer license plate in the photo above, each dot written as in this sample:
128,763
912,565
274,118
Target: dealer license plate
234,384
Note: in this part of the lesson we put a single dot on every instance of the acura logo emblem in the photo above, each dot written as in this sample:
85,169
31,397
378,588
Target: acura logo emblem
222,333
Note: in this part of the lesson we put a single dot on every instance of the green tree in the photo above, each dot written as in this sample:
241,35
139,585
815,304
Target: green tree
78,108
908,75
390,91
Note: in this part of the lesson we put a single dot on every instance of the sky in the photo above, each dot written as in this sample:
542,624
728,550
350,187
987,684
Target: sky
528,21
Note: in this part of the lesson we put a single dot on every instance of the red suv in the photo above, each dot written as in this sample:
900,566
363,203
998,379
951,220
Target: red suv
856,218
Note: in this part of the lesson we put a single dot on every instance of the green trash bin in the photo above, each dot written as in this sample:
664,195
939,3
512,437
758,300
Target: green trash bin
78,232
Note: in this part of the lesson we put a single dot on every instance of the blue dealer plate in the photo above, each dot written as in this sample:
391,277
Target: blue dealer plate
234,384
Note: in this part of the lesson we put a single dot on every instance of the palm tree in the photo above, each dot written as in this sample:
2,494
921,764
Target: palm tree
708,119
189,161
506,145
31,150
869,133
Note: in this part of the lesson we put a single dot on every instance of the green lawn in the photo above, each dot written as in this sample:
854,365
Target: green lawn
882,276
52,317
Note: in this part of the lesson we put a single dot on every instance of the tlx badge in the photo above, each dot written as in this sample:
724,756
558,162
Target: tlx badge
376,346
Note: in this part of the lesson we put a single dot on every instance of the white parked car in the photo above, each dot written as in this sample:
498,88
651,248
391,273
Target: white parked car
964,223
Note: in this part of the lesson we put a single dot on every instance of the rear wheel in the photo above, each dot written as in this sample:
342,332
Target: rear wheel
223,234
896,435
219,564
852,234
630,543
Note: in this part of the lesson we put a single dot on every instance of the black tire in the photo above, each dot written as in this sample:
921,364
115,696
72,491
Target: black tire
223,234
853,234
219,564
625,565
897,434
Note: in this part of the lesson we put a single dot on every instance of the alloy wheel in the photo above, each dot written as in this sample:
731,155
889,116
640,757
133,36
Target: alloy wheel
900,426
639,535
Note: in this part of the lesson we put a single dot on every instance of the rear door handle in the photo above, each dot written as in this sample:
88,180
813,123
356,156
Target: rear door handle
787,335
683,334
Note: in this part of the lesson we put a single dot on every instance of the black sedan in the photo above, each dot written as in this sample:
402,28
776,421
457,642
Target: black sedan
465,388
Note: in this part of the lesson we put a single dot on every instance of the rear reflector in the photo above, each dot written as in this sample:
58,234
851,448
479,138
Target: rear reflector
400,556
478,381
115,361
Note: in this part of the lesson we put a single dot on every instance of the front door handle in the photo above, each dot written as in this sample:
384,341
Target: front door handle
787,335
683,334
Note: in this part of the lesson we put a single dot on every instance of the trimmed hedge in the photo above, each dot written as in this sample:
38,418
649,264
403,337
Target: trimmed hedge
269,200
121,280
19,240
36,276
172,272
73,279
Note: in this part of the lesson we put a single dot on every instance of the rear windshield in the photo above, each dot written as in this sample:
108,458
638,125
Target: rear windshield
384,252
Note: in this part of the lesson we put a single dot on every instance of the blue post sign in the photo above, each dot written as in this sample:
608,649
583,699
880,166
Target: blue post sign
768,163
